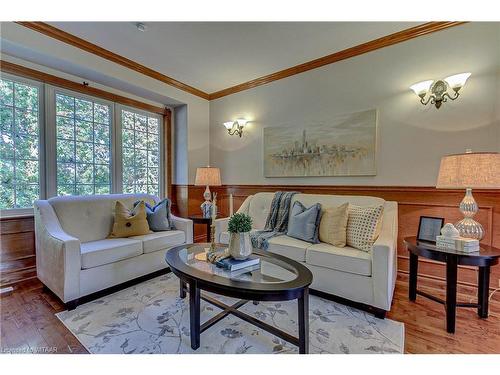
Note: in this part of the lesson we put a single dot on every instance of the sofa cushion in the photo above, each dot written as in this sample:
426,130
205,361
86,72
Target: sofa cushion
130,223
289,247
158,216
97,253
161,240
303,223
90,217
259,208
344,259
363,226
333,225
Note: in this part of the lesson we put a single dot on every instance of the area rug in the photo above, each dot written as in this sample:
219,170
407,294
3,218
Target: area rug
151,318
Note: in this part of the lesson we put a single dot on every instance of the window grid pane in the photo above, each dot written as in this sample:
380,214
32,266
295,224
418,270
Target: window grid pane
140,153
83,146
19,144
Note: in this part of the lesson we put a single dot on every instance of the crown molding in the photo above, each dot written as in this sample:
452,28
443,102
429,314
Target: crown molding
37,75
386,41
77,42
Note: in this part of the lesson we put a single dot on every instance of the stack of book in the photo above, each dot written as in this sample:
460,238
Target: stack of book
232,264
467,245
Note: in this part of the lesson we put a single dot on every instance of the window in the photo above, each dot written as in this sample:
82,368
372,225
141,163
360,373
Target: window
83,146
19,143
58,142
140,134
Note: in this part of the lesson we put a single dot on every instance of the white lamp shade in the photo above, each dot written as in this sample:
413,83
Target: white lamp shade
229,125
458,80
479,170
241,122
207,176
421,87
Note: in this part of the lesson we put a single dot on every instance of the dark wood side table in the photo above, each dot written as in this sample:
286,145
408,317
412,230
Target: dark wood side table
199,219
485,258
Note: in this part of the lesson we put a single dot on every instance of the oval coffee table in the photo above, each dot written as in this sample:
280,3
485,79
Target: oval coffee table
276,278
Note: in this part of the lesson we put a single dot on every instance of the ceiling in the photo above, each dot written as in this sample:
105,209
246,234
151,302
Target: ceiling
212,56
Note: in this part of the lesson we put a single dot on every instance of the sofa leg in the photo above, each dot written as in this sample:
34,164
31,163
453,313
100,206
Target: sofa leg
71,305
379,313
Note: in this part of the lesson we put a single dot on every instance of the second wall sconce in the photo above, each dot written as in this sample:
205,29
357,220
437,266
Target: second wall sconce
235,127
437,91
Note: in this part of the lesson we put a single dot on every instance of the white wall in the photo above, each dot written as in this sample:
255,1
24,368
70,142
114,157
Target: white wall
411,138
45,53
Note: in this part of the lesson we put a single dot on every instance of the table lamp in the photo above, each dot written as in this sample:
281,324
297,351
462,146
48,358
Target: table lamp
479,170
207,176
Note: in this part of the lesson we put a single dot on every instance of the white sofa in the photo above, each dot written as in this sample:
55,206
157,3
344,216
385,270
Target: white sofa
74,257
367,278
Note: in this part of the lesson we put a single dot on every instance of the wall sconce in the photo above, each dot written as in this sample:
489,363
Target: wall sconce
438,92
235,127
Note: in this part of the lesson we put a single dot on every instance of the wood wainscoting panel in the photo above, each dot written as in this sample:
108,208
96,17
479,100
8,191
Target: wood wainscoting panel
413,202
17,250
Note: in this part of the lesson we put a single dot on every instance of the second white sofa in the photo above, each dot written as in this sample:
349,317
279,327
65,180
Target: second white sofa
364,277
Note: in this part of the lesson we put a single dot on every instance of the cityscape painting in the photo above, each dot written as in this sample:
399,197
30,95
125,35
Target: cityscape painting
343,146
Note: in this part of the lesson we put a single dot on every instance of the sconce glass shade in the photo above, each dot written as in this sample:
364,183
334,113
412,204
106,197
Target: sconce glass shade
229,125
421,88
457,81
241,122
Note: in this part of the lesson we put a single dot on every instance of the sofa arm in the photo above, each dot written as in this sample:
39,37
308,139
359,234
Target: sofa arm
384,259
185,225
58,256
220,226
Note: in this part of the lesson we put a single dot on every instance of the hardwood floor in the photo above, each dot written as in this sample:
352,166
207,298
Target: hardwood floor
28,322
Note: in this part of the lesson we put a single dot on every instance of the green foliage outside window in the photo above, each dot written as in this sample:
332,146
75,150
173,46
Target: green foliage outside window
19,145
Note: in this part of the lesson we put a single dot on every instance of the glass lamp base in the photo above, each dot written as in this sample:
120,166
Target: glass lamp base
470,228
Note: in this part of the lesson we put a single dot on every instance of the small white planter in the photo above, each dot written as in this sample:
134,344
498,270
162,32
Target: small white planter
240,246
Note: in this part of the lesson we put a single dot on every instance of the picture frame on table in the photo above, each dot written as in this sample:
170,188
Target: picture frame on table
429,227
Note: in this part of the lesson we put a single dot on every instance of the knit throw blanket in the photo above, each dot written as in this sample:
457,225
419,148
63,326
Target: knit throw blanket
276,222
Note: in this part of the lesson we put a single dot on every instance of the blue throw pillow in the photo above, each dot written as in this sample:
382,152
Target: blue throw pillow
303,223
158,216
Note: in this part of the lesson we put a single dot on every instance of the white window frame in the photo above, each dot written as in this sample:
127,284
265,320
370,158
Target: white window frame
48,140
119,153
42,176
50,104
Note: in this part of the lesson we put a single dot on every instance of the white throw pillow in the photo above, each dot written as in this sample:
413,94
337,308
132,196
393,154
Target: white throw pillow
363,226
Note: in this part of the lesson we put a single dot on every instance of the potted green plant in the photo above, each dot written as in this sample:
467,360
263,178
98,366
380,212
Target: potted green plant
239,227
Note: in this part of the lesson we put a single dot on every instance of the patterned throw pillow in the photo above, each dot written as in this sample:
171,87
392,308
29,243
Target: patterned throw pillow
363,226
333,225
129,223
158,216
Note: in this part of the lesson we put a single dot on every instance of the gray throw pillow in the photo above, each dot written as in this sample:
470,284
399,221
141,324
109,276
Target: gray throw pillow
303,223
158,216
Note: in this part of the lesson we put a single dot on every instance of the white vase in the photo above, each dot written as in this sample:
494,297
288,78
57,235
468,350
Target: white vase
240,246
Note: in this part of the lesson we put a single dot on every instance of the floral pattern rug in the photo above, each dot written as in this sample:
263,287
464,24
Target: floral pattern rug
151,318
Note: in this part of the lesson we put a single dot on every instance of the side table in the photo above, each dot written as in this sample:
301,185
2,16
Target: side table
207,221
486,257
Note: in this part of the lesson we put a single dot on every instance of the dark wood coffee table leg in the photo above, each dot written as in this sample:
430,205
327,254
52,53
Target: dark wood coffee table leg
182,289
483,291
413,277
303,303
194,314
451,293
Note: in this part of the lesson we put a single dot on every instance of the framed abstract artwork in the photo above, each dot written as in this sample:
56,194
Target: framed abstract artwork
343,146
